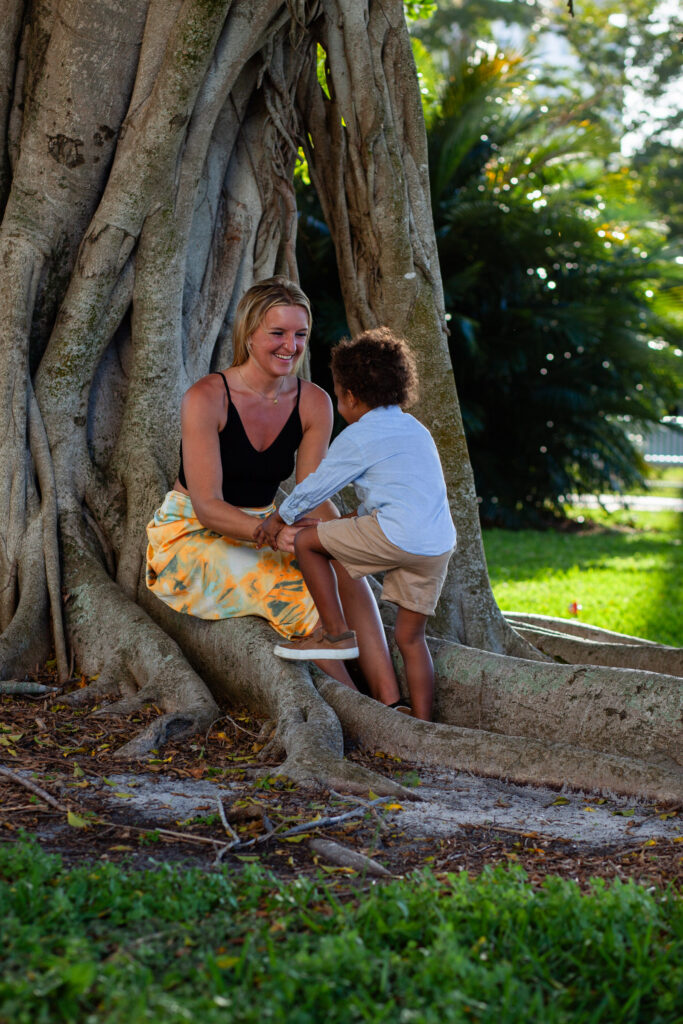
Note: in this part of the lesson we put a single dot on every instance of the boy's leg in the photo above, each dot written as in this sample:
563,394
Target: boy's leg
410,637
332,641
314,562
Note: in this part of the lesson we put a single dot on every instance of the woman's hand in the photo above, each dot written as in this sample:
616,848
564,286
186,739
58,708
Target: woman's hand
268,530
285,538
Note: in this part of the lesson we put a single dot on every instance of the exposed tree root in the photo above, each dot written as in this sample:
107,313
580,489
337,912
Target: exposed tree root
619,711
574,627
235,657
26,688
580,643
620,654
134,659
25,642
515,758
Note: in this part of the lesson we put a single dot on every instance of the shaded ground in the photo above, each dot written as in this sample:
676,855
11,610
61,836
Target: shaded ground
166,808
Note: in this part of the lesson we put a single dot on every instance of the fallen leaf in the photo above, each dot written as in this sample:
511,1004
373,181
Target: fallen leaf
561,800
75,820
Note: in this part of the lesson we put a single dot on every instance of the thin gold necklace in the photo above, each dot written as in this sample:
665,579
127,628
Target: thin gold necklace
257,392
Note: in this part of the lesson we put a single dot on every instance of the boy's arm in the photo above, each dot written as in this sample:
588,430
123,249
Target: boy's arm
342,465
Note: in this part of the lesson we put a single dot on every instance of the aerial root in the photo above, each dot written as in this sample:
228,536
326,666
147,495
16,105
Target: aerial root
40,451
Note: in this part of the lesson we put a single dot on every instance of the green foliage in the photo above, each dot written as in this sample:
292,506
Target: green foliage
563,309
627,577
416,10
634,45
170,945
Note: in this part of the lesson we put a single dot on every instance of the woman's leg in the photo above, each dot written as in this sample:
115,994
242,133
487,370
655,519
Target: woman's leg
410,637
338,671
362,614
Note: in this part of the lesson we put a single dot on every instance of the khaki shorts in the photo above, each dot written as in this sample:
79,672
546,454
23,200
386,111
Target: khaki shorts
412,582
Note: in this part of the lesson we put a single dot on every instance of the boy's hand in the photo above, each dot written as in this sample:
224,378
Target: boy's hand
268,529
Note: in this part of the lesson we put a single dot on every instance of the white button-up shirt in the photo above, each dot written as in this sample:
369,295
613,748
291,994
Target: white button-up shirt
392,461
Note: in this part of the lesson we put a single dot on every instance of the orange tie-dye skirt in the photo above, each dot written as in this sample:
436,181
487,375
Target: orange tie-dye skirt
202,573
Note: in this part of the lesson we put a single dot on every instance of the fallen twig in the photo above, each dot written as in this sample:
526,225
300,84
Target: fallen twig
345,858
226,824
232,721
101,821
330,822
27,784
26,688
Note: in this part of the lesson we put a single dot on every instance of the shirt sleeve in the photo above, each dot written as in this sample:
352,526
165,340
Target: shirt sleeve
342,465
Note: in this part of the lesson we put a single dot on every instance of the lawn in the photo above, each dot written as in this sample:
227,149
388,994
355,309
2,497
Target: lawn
101,944
627,575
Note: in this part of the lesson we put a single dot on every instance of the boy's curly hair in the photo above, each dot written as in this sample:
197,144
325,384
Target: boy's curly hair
376,367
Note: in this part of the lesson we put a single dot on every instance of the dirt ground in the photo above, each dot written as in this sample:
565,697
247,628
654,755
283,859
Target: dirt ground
167,808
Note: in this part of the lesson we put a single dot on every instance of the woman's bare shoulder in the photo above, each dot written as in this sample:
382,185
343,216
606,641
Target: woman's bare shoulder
314,398
205,397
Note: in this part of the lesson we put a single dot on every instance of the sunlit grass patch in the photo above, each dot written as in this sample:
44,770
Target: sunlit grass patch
628,579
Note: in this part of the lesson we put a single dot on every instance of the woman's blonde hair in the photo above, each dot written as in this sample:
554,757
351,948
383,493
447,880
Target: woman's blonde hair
253,306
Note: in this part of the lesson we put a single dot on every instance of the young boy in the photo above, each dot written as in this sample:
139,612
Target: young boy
403,526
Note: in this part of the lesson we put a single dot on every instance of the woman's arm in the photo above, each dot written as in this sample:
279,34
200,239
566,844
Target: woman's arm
201,413
316,420
315,410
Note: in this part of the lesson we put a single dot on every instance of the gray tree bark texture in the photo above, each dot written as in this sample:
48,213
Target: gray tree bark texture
146,179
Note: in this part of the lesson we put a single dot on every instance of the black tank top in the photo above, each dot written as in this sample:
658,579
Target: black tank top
251,478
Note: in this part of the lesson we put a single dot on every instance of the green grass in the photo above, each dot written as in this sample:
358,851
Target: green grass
664,481
101,944
629,580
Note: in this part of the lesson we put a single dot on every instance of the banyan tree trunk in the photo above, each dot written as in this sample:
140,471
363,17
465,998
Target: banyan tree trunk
147,152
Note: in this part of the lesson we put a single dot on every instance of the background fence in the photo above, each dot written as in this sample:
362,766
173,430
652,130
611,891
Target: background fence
663,444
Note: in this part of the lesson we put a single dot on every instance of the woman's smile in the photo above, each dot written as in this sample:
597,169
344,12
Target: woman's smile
282,335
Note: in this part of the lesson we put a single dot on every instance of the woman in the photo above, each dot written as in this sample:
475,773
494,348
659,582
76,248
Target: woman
241,429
